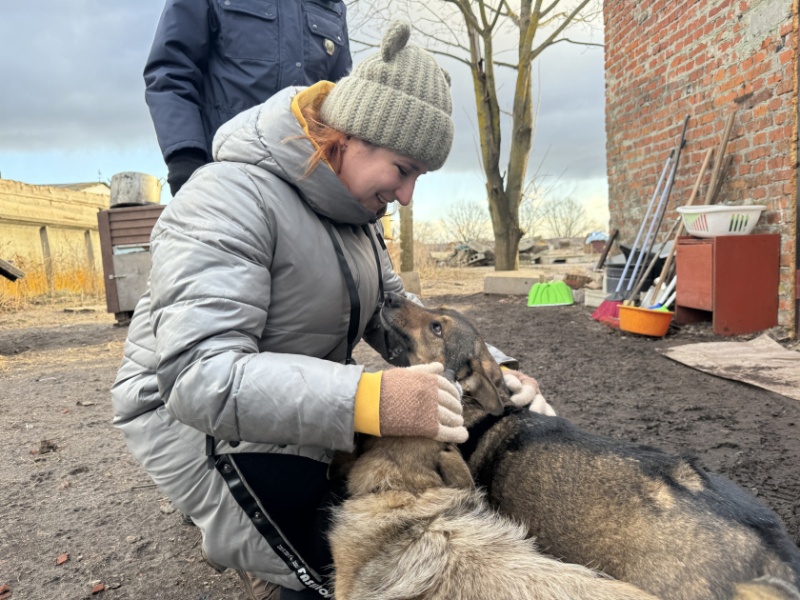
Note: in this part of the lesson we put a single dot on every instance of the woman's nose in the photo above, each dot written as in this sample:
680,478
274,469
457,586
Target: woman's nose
405,192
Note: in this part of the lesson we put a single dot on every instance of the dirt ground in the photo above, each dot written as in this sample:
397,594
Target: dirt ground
69,486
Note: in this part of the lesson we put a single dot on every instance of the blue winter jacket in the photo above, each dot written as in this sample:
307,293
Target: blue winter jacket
212,59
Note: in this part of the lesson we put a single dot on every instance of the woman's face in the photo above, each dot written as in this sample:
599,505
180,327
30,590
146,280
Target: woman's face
377,177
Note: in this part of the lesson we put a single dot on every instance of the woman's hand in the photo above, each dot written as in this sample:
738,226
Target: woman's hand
418,401
525,392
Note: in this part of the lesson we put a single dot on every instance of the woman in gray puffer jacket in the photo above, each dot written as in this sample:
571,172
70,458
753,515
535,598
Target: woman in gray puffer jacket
237,385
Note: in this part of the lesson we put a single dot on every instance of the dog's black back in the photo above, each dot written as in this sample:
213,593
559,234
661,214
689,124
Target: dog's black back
660,521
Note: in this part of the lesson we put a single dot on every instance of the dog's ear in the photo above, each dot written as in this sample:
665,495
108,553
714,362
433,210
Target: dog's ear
485,384
453,470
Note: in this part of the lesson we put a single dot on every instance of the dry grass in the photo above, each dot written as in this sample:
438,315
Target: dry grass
70,279
439,281
73,283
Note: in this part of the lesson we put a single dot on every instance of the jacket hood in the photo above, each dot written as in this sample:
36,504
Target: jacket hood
268,136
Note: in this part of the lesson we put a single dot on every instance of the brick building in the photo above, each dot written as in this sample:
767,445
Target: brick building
668,59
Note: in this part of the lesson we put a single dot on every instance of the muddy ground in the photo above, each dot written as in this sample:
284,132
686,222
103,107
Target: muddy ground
69,486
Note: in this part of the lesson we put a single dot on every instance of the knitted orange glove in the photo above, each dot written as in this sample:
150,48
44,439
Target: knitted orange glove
414,401
525,392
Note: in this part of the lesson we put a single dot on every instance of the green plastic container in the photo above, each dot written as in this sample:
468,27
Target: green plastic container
554,293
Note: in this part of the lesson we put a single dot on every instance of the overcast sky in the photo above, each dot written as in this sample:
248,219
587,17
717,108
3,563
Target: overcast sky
72,105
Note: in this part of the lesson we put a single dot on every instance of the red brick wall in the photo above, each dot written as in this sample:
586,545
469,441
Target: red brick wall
666,59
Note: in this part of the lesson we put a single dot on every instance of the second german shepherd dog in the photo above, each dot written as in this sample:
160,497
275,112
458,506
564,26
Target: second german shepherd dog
415,528
661,522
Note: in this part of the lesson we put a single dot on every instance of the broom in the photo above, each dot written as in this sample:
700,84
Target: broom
608,307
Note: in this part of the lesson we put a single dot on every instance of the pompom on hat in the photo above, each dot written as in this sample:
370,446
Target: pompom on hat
398,99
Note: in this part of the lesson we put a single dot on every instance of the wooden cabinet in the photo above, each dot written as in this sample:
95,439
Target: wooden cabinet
125,246
730,280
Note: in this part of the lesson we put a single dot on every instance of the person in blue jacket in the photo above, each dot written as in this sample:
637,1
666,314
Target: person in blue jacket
212,59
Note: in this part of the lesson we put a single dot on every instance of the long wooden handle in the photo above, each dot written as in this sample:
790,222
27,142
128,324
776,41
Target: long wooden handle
712,185
606,248
679,222
721,178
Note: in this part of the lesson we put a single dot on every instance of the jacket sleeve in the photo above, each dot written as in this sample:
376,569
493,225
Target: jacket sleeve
210,288
174,73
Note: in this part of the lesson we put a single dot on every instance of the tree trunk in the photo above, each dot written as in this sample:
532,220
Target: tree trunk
507,234
406,239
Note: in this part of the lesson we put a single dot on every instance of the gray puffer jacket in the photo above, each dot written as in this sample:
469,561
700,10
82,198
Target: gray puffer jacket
243,330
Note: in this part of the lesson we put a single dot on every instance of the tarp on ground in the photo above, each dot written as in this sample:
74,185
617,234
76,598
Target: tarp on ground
762,362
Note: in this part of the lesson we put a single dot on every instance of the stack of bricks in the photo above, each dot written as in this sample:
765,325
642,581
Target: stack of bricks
666,59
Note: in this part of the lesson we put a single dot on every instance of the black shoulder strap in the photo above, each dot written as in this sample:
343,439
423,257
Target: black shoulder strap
377,256
226,466
352,291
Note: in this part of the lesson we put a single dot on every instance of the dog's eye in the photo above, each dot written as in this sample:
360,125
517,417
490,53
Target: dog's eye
436,328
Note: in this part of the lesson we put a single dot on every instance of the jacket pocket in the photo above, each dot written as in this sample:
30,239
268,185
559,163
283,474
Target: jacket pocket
249,29
325,40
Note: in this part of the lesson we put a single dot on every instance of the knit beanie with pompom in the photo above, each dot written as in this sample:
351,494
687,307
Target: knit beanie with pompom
397,99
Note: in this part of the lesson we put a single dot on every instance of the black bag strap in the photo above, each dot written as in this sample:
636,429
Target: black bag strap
226,467
377,256
352,291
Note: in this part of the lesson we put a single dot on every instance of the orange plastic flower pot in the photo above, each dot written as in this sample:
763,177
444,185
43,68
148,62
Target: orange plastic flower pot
644,321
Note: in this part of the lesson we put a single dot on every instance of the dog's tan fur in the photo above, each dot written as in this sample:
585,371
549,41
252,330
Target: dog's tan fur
661,522
415,528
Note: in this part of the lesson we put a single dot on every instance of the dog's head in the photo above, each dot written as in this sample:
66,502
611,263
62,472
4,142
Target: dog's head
408,464
417,335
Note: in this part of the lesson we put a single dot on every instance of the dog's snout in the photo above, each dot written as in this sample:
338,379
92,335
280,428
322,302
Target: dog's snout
391,300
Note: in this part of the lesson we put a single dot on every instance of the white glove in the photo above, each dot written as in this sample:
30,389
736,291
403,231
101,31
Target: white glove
525,392
419,401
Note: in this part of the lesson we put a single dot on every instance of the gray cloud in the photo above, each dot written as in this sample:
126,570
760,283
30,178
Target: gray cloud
571,120
72,80
72,74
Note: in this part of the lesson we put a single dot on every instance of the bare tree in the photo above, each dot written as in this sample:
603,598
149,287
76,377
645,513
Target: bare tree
467,221
531,218
565,217
428,232
467,30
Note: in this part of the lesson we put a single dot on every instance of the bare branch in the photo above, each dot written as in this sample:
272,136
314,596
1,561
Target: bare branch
441,21
578,43
467,221
511,14
549,8
363,43
558,30
441,41
463,6
505,64
484,18
453,56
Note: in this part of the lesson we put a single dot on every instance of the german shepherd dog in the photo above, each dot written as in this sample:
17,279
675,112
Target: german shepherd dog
661,522
415,528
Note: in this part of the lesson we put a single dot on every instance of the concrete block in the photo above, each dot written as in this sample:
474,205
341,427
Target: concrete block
511,282
594,298
411,282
